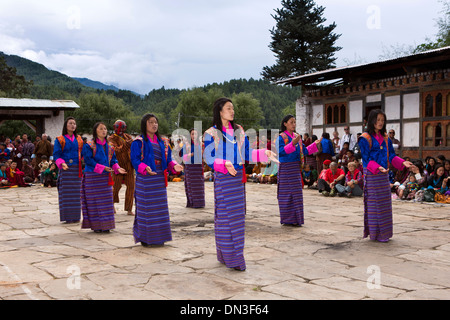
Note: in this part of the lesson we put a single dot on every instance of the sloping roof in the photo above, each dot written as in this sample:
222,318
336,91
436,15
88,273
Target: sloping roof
440,58
37,104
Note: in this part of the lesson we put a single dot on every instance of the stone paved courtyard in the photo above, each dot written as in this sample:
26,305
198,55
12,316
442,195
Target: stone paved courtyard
43,259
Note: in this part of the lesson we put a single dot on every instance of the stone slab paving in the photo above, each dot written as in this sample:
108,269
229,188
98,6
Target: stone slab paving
326,259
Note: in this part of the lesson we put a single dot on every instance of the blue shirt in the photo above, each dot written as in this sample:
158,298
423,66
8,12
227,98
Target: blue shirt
197,150
101,157
292,157
70,152
377,153
327,147
227,150
149,157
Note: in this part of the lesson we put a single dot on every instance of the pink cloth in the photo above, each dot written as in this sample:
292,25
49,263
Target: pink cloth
259,155
312,148
397,162
154,140
142,169
171,166
59,163
99,168
289,148
116,168
101,142
71,138
219,166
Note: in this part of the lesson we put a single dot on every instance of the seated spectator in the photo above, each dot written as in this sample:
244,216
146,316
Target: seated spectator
440,159
51,176
354,182
5,153
343,152
270,173
430,164
3,178
410,189
28,171
447,168
348,157
333,176
438,181
309,176
43,165
400,178
420,179
15,176
322,174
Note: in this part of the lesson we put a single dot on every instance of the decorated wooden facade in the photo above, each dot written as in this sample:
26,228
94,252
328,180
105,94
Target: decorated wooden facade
413,91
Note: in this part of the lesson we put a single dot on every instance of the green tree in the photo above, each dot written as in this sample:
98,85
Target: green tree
301,42
443,35
12,85
102,107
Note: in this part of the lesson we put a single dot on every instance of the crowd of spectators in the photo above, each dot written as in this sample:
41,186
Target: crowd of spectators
335,170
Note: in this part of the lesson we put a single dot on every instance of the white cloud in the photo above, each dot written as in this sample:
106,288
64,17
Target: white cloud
141,45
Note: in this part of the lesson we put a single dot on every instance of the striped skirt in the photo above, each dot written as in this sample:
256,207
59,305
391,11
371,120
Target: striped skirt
151,221
69,188
377,207
290,193
229,219
97,202
194,184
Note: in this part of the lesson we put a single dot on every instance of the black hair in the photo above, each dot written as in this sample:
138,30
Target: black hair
438,167
326,135
64,130
285,119
94,133
144,120
373,116
419,165
217,120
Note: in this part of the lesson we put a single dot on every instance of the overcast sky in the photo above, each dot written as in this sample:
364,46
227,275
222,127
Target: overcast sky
142,45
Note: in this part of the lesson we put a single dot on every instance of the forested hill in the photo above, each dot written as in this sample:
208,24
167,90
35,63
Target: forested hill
260,103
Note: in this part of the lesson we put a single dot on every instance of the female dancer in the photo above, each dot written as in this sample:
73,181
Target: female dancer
194,182
96,187
226,149
67,157
291,152
151,158
377,152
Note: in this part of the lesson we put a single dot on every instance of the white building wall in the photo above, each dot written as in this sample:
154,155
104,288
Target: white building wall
411,137
392,107
54,126
356,111
411,105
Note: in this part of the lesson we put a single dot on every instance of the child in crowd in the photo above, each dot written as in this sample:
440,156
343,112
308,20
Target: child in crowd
51,176
309,176
42,167
3,178
354,182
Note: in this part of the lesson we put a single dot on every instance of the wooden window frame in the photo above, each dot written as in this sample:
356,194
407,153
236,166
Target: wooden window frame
336,108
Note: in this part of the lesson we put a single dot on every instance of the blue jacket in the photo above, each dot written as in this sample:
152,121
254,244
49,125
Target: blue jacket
70,151
327,147
101,157
292,157
377,153
197,150
227,151
149,157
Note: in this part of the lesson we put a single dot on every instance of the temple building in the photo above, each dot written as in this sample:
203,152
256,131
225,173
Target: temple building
413,91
